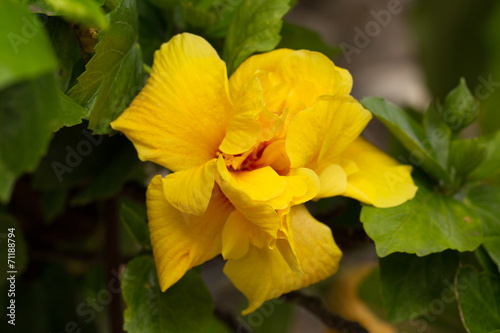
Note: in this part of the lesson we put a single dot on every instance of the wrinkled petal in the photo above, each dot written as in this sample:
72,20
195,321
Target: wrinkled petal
190,190
320,134
238,234
379,180
309,75
263,274
302,185
263,62
261,214
181,241
179,118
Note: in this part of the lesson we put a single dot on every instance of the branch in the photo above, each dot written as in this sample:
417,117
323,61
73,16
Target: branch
317,307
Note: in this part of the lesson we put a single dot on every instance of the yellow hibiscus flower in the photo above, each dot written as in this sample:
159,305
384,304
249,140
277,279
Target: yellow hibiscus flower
245,154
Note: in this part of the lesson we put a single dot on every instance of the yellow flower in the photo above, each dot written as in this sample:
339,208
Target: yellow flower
245,154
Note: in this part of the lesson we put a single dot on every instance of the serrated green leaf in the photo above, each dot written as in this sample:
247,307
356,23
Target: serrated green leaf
255,28
409,133
296,38
70,113
490,164
485,200
429,223
114,74
185,307
402,274
23,38
460,108
85,12
134,218
479,300
28,115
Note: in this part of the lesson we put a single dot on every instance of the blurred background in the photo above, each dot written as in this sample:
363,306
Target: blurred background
409,52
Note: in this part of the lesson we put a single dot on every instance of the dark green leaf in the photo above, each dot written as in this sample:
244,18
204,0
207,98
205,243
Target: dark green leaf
117,170
185,307
460,108
84,12
255,28
296,38
133,216
479,300
66,47
431,222
114,74
438,133
28,115
7,179
25,49
53,204
409,133
485,200
490,165
411,283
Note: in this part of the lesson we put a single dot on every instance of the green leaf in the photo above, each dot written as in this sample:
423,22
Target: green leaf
66,48
296,38
7,179
85,12
185,307
255,28
431,222
70,113
465,156
402,274
460,108
485,200
28,115
225,11
409,133
26,52
438,133
490,164
120,167
52,204
479,300
134,218
114,74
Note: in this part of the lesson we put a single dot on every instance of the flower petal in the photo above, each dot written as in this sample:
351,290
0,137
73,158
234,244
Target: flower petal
333,181
181,241
263,62
261,214
238,234
263,274
179,118
379,180
319,134
189,191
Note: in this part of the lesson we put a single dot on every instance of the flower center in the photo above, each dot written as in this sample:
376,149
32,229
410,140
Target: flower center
269,153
